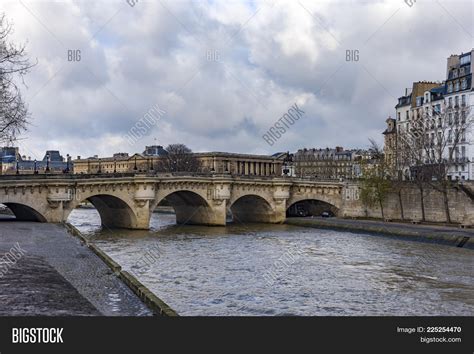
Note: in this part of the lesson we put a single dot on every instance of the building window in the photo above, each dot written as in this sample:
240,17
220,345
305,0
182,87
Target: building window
465,59
463,84
456,86
450,102
450,87
456,101
463,100
398,115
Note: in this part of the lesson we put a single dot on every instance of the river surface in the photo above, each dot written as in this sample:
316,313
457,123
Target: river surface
260,269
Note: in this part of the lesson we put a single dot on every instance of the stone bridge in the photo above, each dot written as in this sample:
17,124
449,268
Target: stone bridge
127,201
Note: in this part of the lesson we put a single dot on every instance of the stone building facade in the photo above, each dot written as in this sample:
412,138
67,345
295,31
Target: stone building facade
390,144
240,164
12,162
328,163
447,108
210,162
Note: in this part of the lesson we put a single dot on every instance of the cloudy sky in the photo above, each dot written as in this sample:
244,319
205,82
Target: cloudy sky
225,71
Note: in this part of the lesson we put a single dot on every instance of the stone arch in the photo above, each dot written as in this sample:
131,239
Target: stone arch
190,207
310,207
252,208
114,211
24,212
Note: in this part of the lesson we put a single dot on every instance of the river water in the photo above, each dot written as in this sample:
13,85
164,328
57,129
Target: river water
260,269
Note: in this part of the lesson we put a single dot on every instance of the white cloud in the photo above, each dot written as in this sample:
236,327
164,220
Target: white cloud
270,55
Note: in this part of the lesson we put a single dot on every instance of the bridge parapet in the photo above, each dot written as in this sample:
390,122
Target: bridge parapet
127,200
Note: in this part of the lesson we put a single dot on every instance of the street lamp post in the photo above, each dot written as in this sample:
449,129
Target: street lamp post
135,167
100,167
35,168
47,163
67,163
17,167
115,165
286,164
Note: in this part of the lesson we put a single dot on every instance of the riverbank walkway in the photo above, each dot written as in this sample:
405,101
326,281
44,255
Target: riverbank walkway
453,236
46,271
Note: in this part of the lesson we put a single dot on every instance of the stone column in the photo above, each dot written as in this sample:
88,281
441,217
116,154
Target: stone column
280,196
144,196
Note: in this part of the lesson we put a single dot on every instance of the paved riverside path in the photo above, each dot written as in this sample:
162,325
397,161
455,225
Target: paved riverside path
58,276
454,236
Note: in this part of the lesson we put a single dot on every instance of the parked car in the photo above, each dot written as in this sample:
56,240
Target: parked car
301,211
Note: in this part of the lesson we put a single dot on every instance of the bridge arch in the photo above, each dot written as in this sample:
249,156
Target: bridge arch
190,207
115,212
310,207
24,212
252,208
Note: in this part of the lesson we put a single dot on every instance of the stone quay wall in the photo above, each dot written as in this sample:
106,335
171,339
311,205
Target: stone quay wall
461,205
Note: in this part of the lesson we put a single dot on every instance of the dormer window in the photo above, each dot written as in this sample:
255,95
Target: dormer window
450,87
465,59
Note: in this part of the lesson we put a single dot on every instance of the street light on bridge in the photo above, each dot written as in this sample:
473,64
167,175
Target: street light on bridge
67,163
47,163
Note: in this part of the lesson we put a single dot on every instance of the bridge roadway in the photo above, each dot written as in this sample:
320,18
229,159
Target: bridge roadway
127,200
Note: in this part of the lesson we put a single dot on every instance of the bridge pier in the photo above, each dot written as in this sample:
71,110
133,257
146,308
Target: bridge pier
214,215
128,201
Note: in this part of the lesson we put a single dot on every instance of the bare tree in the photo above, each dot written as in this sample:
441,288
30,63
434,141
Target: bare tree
180,158
375,184
410,155
431,146
14,64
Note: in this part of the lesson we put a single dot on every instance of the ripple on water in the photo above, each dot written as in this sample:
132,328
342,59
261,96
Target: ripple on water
226,271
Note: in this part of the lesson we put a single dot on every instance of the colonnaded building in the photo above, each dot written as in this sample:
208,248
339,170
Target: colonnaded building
210,162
